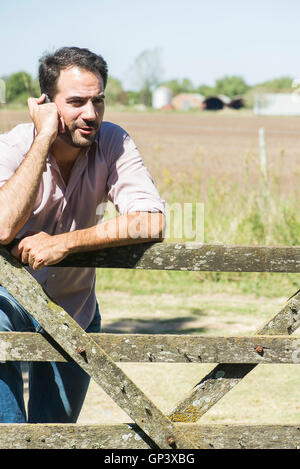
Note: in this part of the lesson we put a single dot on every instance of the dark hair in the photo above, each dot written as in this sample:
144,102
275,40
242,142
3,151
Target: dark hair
52,64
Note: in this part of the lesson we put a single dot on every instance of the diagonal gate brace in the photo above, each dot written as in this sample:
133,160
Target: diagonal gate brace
225,375
89,355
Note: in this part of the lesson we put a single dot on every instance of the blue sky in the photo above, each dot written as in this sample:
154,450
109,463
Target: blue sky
202,40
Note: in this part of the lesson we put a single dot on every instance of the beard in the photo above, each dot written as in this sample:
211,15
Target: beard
73,137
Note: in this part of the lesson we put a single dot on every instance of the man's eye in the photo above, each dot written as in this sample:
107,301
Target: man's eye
99,100
76,102
81,102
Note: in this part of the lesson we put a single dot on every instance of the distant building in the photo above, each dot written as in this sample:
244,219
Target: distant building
187,101
277,104
216,103
161,97
2,91
225,99
213,103
236,103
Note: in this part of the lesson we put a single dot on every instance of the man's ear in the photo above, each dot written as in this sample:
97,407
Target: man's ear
61,125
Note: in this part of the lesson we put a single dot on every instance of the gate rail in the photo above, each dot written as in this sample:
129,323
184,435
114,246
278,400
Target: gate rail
97,354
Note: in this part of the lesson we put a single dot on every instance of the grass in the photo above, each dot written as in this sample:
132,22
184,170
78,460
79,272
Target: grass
138,282
196,313
234,213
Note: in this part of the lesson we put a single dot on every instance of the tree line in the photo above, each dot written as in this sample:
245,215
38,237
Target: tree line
147,72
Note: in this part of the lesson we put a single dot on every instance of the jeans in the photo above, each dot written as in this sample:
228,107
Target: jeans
56,390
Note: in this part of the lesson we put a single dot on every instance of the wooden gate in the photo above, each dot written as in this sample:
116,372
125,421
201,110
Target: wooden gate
98,354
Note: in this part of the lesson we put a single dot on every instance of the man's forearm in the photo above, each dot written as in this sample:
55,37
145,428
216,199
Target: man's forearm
40,250
18,195
132,228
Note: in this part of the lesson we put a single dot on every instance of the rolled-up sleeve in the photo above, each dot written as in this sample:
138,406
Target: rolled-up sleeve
130,186
13,148
7,162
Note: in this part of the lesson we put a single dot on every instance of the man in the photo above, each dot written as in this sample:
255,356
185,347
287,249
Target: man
54,175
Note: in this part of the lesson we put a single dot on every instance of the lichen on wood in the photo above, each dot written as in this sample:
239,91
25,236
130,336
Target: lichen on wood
192,257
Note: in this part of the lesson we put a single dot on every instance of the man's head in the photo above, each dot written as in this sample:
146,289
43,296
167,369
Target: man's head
75,80
52,64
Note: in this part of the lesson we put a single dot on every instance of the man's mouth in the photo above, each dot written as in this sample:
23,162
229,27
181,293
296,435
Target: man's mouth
86,130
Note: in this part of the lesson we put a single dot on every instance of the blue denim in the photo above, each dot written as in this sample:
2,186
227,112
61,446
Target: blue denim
56,390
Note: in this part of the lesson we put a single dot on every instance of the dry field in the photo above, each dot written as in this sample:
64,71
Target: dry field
193,149
219,145
201,145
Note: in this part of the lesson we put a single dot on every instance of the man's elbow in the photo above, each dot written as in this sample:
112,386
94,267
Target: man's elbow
146,227
6,237
7,233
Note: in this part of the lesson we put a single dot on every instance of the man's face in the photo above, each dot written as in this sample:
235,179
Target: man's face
80,101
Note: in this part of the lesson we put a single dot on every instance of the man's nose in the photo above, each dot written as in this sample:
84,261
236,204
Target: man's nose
89,112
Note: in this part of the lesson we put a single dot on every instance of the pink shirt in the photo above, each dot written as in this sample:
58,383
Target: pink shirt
111,169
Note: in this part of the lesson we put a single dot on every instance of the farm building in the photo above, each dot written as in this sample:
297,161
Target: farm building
236,103
225,99
2,91
213,103
161,97
277,104
186,101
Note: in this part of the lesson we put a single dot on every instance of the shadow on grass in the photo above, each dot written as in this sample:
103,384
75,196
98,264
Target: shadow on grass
164,326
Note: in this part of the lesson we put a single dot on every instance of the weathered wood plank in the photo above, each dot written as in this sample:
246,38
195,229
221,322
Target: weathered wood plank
246,436
145,348
191,256
201,349
287,320
209,391
87,353
225,377
127,436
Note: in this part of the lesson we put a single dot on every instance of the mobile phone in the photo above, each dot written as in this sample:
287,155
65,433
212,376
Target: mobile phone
47,99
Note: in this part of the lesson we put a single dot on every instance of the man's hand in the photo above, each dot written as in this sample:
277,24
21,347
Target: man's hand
40,250
45,117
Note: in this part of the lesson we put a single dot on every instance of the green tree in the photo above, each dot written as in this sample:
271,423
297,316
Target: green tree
132,98
277,84
206,90
114,91
180,86
231,86
19,86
